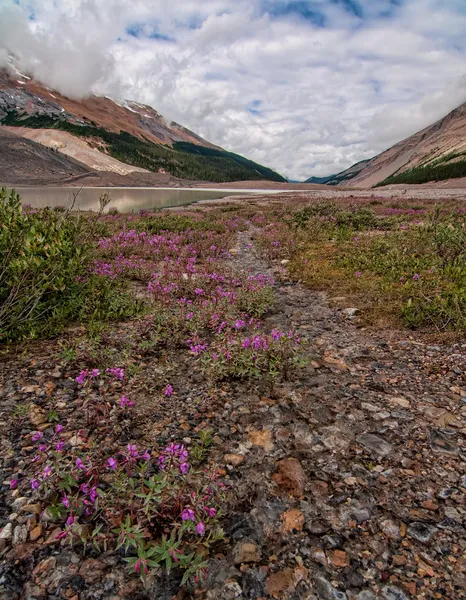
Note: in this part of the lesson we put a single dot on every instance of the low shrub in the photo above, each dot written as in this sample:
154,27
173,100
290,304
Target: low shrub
44,284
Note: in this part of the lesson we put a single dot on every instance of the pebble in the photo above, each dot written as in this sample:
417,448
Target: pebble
36,532
391,592
246,552
390,529
234,459
422,532
365,595
7,532
326,591
19,503
20,535
290,476
375,443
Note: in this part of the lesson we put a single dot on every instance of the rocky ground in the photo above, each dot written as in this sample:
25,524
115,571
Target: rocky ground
347,482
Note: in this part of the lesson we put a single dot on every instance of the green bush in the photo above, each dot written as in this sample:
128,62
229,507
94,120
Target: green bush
44,257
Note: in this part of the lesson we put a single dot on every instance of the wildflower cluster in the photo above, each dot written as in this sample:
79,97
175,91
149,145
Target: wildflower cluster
131,498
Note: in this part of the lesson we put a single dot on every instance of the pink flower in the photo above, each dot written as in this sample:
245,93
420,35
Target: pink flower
59,446
211,512
79,464
358,274
188,515
34,484
46,472
184,468
200,528
65,501
93,494
70,521
95,373
112,463
37,436
124,401
145,456
168,391
58,428
13,484
416,277
132,450
81,377
116,372
42,448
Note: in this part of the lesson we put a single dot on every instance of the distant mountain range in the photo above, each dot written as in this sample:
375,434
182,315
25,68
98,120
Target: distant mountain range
110,135
436,153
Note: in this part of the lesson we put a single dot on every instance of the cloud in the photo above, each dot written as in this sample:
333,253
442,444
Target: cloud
307,87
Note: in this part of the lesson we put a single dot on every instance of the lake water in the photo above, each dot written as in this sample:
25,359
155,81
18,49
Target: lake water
123,199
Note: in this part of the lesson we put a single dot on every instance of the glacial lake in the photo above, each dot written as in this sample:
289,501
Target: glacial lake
125,200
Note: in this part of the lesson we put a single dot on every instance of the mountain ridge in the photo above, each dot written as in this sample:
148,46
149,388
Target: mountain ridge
435,153
129,132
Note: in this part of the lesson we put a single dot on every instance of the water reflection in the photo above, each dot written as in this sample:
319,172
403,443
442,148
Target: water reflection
123,199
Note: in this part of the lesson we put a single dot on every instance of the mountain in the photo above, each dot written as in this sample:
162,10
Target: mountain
341,177
42,165
117,136
436,153
319,180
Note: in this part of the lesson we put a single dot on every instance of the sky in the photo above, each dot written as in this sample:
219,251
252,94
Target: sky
306,87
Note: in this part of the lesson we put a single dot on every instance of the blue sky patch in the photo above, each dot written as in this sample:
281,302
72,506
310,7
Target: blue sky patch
139,30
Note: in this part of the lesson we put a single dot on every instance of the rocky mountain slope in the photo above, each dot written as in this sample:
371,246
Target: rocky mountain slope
42,165
436,153
128,132
340,177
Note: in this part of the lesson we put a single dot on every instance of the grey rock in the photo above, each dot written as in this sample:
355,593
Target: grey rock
390,529
390,592
20,535
334,438
354,513
444,441
422,532
19,503
246,552
453,514
446,493
7,532
350,312
326,591
317,527
375,444
365,595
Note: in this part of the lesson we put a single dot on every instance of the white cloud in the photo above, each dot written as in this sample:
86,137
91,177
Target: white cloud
303,99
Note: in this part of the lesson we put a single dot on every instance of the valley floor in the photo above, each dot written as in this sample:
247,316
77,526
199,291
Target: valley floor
346,481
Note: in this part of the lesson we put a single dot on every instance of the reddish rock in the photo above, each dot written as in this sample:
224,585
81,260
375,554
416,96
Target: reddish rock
92,570
233,459
293,519
290,476
338,558
36,532
263,439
